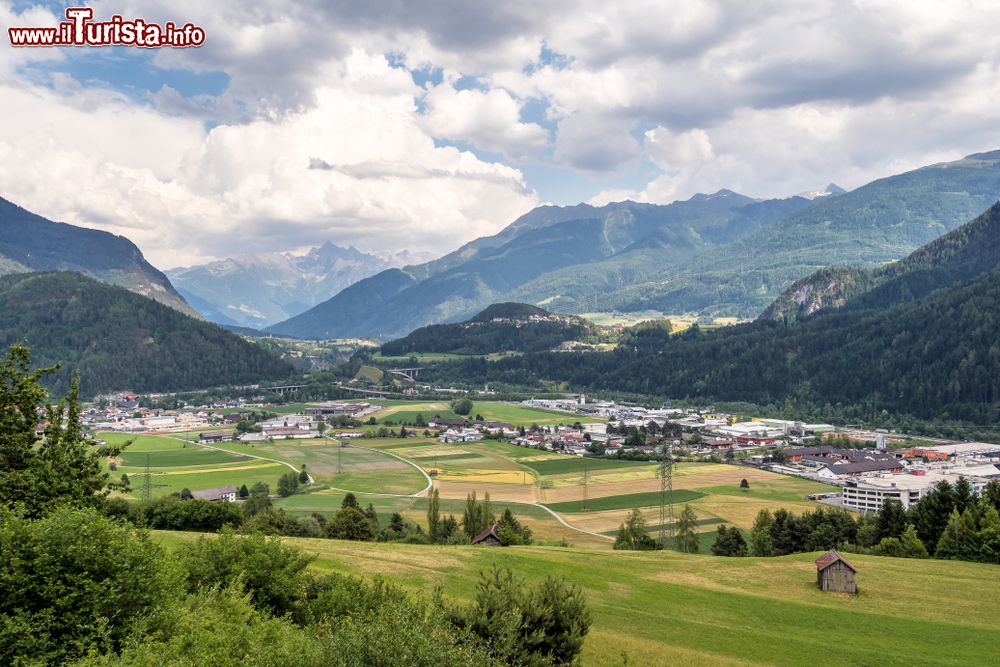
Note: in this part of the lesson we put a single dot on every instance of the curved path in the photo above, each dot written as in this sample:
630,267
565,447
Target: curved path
423,472
252,456
430,483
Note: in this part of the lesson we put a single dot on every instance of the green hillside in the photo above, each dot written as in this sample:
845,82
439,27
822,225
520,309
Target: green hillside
877,223
118,340
502,327
29,242
955,257
667,608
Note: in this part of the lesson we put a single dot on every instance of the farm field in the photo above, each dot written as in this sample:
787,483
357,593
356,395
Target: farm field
667,608
378,470
176,465
518,415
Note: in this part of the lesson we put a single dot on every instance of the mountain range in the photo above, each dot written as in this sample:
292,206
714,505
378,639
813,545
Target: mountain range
117,340
258,290
555,257
29,242
716,254
916,339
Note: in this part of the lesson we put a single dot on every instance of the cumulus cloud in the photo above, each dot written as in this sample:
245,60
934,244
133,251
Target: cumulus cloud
488,119
183,193
322,132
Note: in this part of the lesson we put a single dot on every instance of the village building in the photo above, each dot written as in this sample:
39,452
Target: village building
220,493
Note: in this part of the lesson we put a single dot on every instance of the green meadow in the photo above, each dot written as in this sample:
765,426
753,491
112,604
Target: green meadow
667,608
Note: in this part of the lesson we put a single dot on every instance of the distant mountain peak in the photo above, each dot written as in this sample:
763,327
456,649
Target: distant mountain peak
830,190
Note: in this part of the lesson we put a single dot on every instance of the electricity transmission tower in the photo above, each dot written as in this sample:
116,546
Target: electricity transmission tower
146,490
666,475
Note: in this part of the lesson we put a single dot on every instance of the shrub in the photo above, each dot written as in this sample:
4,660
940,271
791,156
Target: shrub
75,583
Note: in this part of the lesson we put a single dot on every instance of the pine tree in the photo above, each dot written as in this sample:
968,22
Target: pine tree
910,544
434,516
729,542
891,519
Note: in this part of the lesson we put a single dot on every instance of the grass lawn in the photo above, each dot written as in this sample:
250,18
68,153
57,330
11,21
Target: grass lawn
667,608
567,464
628,501
170,458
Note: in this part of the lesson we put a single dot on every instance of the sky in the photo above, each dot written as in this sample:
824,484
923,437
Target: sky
413,125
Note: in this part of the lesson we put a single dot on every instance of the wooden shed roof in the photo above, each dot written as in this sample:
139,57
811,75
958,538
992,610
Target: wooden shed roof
831,557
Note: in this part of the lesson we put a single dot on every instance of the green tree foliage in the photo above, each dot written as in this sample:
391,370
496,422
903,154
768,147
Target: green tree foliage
729,542
173,513
478,515
760,536
288,484
113,338
350,500
544,625
75,582
481,335
350,523
462,406
687,524
270,572
891,519
908,545
930,515
63,467
632,534
434,516
512,532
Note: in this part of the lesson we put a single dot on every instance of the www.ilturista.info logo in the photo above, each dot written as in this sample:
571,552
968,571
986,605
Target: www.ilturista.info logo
80,30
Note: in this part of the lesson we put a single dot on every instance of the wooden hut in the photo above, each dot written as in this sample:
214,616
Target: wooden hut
489,537
835,574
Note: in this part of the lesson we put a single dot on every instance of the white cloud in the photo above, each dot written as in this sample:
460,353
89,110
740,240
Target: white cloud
489,119
184,194
767,98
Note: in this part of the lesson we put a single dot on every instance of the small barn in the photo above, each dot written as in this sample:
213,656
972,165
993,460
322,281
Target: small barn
835,574
489,537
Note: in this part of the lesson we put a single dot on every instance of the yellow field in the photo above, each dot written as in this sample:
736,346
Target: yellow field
490,476
605,478
741,511
459,489
193,470
430,408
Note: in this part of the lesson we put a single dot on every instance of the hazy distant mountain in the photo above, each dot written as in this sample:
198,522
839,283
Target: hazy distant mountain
29,242
880,222
258,290
956,257
557,257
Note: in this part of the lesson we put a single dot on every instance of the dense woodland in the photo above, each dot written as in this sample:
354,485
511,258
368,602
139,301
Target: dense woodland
115,339
482,335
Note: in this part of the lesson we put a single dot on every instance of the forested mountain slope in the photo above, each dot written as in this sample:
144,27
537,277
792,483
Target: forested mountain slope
29,242
119,340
